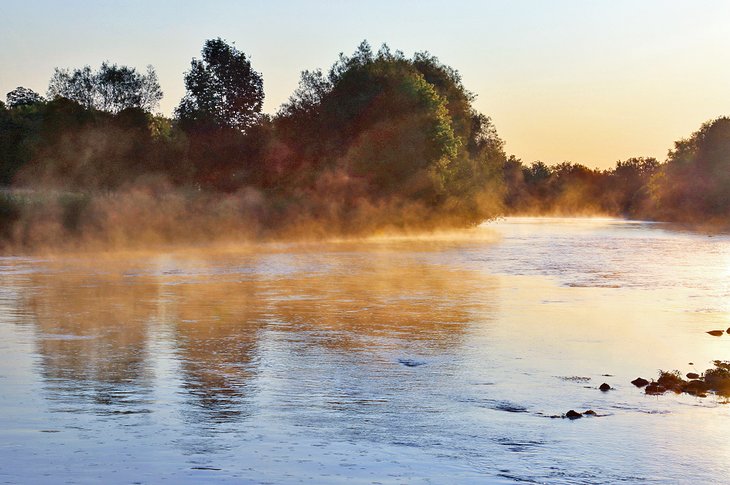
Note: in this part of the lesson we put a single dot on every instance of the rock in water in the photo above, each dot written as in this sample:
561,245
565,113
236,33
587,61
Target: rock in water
590,412
604,387
693,375
573,415
640,382
715,333
411,362
696,387
655,389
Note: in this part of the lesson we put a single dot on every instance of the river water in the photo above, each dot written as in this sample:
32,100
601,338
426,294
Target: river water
440,359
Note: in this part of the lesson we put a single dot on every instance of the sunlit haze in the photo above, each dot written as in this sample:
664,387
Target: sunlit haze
365,241
582,81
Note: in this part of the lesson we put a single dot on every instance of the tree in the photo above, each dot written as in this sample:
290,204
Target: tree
695,181
405,126
538,172
223,90
112,88
121,87
628,184
21,96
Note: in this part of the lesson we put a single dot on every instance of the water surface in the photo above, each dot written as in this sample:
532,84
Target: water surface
392,360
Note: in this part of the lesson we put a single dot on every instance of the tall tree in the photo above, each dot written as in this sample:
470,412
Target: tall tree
112,88
223,90
403,127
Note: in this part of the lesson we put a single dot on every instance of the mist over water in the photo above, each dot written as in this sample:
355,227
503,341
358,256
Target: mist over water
384,360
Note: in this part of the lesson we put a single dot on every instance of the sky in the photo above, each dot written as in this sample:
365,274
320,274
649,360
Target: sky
585,81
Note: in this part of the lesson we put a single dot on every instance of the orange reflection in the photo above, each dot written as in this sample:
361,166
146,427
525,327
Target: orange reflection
95,329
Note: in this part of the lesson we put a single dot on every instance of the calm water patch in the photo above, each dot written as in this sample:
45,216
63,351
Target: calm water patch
416,360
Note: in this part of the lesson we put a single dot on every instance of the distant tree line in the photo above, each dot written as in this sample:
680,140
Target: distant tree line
573,188
692,185
377,137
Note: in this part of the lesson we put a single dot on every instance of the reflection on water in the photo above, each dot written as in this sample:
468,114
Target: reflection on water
98,326
382,360
92,339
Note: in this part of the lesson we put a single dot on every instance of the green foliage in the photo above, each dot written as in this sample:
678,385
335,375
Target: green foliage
404,127
223,90
20,129
378,140
63,145
112,88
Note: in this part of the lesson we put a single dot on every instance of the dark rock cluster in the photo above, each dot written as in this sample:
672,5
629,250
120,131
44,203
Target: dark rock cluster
572,414
715,380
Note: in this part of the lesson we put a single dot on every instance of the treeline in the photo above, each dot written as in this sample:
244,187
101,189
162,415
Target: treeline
574,189
691,186
379,141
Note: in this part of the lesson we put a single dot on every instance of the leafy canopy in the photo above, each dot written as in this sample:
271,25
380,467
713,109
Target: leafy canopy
696,178
223,90
112,88
405,125
21,96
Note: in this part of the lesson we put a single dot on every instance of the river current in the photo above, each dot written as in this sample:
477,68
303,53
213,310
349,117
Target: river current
442,359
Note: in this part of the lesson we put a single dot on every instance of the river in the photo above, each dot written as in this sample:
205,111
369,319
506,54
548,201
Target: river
440,359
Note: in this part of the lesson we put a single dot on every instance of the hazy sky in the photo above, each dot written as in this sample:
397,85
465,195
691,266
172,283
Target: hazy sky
578,80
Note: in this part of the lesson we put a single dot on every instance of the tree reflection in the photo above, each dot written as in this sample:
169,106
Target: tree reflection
93,338
320,331
216,328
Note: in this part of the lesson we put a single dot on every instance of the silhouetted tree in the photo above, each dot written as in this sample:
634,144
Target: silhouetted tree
223,90
695,181
537,172
565,188
628,186
112,88
21,96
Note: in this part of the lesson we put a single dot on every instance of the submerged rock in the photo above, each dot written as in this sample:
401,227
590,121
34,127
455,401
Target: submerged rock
508,407
716,380
715,333
604,387
640,382
573,415
574,378
411,362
